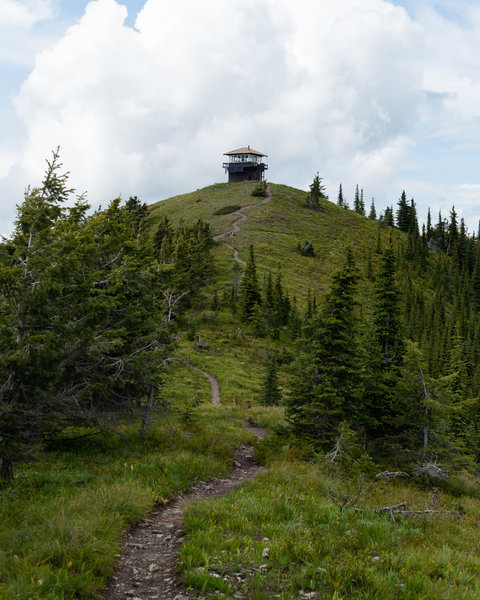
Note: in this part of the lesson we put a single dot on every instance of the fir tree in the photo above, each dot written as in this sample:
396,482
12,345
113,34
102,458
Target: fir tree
359,205
387,322
271,394
373,213
250,296
325,386
403,213
387,218
317,193
340,200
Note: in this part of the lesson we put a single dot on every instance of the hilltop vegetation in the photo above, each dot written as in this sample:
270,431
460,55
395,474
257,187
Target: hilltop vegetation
360,355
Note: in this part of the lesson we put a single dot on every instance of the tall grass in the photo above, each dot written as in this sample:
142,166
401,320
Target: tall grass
62,520
283,536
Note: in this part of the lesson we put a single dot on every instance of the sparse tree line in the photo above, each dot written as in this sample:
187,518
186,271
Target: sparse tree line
87,306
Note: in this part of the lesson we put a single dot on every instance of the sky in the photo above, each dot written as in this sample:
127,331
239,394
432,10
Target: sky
143,97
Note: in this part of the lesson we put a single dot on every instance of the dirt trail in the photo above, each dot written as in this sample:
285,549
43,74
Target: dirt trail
214,387
242,216
233,231
147,568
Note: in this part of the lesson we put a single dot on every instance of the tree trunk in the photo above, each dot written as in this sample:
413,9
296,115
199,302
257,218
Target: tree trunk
6,468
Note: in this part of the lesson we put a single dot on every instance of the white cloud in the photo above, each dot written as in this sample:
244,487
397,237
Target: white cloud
24,14
344,88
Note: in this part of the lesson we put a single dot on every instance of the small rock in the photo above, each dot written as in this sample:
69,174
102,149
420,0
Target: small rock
265,539
153,567
375,558
265,552
262,567
236,463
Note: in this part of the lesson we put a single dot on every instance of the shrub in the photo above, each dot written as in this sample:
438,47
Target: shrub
260,190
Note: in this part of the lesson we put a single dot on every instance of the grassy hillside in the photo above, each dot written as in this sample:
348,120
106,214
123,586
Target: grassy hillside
286,535
275,229
291,533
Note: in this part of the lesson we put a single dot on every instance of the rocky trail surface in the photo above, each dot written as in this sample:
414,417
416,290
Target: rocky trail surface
147,568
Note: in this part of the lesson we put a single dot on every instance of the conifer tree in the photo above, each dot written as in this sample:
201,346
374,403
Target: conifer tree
452,233
250,296
359,205
373,213
326,386
271,394
340,200
84,337
387,322
429,231
387,218
403,213
317,193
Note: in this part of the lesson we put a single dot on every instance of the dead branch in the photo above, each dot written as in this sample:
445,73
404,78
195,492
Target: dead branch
391,474
402,509
331,456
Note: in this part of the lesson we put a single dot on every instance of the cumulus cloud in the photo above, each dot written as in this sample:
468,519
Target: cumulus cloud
344,88
24,14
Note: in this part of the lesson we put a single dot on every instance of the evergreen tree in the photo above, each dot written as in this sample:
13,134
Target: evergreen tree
325,387
387,323
429,231
373,213
250,296
271,394
340,200
359,205
403,213
317,193
83,335
387,218
452,233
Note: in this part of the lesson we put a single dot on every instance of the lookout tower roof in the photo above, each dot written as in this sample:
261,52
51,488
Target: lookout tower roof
246,150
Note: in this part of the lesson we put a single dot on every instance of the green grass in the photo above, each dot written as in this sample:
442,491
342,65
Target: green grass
275,229
282,535
62,520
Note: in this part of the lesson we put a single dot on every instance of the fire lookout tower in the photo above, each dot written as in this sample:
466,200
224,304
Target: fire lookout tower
245,164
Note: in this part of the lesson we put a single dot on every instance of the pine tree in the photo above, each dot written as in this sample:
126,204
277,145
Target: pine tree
85,338
359,205
387,218
387,323
403,213
452,233
340,200
325,386
373,213
317,193
271,394
250,296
